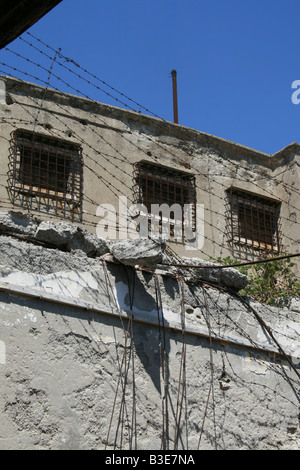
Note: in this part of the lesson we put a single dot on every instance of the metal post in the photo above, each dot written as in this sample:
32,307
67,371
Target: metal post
175,103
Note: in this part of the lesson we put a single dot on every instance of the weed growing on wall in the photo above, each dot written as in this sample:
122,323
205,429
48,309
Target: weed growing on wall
268,282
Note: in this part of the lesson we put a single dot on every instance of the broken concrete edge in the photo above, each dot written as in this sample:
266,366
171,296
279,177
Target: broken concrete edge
38,272
291,303
62,235
140,252
225,276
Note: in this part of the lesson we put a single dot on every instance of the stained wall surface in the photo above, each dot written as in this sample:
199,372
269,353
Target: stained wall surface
114,140
96,355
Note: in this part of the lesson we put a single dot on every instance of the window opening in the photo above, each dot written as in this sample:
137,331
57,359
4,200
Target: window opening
254,221
169,189
45,174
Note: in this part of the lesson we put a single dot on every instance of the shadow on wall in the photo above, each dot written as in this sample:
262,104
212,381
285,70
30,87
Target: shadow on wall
132,297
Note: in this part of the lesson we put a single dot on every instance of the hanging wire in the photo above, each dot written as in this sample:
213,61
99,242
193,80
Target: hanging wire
123,371
131,291
182,372
163,366
186,131
217,228
122,379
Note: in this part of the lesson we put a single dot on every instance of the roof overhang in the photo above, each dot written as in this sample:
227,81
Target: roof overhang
17,17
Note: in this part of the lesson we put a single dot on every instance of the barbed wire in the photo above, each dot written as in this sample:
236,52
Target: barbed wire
116,190
234,265
186,131
96,78
209,175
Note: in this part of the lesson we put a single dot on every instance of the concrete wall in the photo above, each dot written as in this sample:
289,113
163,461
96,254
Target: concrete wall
94,353
113,140
76,371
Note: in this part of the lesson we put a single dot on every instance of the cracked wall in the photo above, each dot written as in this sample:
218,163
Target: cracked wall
93,352
114,140
63,374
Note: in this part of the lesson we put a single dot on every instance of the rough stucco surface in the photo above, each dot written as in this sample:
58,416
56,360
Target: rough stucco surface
65,353
61,359
114,140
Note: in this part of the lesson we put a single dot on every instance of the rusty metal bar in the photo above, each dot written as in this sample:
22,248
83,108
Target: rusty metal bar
175,99
234,265
254,221
49,172
161,185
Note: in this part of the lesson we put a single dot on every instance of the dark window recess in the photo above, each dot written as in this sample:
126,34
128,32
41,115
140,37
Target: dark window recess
45,174
254,221
44,169
160,185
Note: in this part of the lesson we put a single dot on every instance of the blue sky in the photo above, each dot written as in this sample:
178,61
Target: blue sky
236,61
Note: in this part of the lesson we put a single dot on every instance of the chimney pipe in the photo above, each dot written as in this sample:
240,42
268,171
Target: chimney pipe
175,103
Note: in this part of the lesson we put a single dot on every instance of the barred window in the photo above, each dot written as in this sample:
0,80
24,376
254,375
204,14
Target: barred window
45,174
170,190
254,221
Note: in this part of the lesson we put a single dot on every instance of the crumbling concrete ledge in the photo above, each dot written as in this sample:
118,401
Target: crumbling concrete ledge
62,235
18,222
145,252
71,237
140,251
207,272
93,284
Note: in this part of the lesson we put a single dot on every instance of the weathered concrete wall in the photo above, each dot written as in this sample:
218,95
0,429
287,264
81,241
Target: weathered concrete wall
71,376
113,140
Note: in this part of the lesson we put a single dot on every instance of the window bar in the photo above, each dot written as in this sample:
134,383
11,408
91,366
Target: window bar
251,228
254,221
47,170
39,169
25,164
66,184
231,215
162,186
262,214
278,240
182,208
139,193
265,226
152,193
243,235
56,175
15,150
260,230
73,187
270,228
265,216
240,204
147,191
168,189
80,169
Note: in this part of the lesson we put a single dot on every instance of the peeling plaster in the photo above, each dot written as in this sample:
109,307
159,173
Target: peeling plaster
2,353
67,283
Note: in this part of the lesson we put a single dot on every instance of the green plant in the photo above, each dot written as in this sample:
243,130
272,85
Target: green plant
268,281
